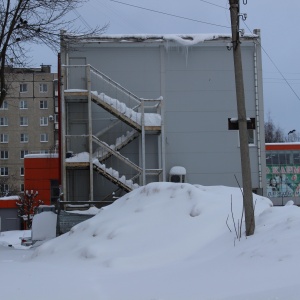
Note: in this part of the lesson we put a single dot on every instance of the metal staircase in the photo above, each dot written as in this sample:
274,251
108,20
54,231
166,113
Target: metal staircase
128,109
102,154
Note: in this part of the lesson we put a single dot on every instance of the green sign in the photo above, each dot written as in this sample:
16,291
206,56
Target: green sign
283,181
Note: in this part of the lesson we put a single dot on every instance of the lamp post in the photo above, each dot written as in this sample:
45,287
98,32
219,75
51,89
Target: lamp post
290,132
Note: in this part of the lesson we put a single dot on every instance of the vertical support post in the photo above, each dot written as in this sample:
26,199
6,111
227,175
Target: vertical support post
62,128
143,143
162,149
260,113
242,120
90,132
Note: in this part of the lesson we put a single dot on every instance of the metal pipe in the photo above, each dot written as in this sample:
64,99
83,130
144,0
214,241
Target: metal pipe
257,118
90,133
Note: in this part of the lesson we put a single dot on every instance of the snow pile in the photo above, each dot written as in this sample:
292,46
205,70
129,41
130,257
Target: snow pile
164,241
12,238
151,119
154,225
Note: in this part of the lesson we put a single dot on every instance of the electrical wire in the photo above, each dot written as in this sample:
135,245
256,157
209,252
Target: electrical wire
213,4
171,15
263,49
274,64
82,19
108,9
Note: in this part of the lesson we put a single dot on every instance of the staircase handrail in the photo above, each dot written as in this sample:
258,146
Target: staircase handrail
115,84
117,154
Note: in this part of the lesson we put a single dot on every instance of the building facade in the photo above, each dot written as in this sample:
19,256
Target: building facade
9,219
133,107
42,174
28,122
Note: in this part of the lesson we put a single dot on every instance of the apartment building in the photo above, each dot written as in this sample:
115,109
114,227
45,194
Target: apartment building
28,122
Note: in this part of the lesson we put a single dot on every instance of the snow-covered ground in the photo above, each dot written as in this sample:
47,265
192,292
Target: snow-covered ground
164,241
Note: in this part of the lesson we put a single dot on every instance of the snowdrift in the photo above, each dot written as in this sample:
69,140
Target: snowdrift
153,225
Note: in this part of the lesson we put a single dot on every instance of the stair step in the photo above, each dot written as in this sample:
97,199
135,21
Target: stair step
113,176
121,142
126,114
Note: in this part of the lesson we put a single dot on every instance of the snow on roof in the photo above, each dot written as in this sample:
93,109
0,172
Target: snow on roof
289,143
42,155
178,170
182,39
9,198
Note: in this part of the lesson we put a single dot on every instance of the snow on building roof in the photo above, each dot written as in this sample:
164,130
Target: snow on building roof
13,198
182,39
42,155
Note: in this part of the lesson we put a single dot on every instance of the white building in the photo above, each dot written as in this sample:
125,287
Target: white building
136,106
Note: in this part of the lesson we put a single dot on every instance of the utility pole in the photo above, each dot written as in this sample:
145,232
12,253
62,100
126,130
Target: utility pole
242,118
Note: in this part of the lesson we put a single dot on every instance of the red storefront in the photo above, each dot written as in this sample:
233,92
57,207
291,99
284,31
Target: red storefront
42,175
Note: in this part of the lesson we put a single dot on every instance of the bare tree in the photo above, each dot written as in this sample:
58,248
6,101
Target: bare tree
8,185
273,133
27,207
32,21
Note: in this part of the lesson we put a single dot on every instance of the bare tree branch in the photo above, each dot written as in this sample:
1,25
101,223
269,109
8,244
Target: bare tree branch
273,133
33,21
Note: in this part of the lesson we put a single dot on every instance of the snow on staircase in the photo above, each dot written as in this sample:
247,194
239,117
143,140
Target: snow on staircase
117,154
113,176
129,109
109,173
103,154
152,121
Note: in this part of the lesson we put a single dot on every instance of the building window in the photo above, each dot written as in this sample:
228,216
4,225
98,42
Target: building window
24,138
22,187
43,104
44,152
23,121
23,87
4,171
23,153
4,189
43,121
43,88
23,104
4,154
44,137
3,121
22,171
56,118
4,105
251,137
3,138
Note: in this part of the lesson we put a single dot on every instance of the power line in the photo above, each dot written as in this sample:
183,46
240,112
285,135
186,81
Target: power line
171,15
213,4
273,63
82,19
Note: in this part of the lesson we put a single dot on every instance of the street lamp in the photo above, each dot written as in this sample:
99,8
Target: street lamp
290,132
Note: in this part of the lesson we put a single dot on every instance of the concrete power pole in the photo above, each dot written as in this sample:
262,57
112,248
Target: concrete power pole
242,119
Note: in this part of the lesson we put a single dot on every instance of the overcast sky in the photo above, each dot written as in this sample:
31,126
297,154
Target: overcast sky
277,20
